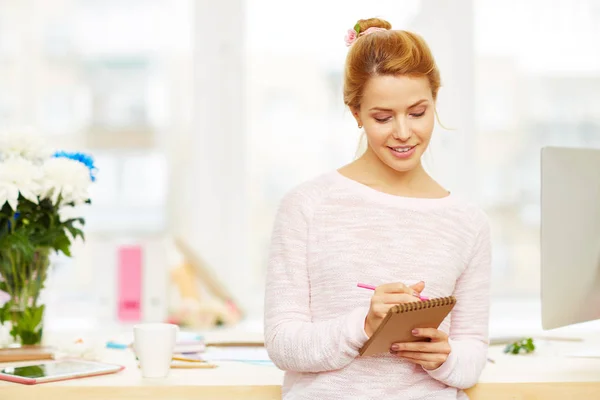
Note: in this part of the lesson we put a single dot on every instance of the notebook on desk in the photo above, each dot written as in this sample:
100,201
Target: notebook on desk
401,319
26,353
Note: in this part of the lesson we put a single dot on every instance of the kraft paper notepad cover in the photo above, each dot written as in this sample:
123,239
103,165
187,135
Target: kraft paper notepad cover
401,319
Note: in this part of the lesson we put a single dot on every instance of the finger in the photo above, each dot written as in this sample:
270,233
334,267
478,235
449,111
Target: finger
381,309
423,347
394,287
396,298
418,356
425,364
419,286
432,333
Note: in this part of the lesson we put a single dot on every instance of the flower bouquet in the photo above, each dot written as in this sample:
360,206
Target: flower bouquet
38,188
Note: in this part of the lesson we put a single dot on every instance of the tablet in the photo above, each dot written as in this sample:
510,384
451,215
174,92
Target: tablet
32,373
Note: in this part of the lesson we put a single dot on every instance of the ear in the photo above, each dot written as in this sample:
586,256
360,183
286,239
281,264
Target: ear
356,115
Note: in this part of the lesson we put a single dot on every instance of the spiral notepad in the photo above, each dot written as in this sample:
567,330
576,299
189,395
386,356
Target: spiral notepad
401,319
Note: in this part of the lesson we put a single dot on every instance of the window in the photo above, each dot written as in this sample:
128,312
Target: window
113,78
298,126
157,99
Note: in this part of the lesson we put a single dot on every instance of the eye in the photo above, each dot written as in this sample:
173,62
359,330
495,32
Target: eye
419,112
382,120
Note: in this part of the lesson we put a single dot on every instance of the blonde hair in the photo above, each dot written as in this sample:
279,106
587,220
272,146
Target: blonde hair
390,52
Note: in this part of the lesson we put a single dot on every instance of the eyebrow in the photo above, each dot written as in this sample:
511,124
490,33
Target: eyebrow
389,109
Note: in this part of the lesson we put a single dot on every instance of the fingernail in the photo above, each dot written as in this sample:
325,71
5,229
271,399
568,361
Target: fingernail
415,331
418,296
395,347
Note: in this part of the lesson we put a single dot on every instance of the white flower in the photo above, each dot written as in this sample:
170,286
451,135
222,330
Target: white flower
18,175
23,143
66,177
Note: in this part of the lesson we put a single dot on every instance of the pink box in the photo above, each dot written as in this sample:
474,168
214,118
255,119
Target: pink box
130,284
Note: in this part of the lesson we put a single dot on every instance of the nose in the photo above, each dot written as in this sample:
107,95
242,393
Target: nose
402,131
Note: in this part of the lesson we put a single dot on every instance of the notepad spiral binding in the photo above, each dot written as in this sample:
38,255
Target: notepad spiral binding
420,305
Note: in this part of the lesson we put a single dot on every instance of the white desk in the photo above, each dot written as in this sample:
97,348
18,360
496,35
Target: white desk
545,375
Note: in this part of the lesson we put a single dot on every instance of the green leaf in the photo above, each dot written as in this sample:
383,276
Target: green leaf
38,314
73,220
62,243
521,346
26,323
27,326
74,231
31,337
4,314
357,28
14,332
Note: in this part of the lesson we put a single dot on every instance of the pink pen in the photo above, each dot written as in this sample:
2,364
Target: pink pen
371,287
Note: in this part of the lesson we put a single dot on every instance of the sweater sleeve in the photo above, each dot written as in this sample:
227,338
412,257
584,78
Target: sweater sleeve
294,342
469,319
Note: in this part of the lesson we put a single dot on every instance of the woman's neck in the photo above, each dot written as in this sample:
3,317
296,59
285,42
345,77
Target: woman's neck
371,171
383,172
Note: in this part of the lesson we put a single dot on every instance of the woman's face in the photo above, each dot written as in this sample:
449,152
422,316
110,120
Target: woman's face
397,113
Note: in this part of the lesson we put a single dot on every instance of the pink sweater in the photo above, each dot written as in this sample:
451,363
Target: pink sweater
333,232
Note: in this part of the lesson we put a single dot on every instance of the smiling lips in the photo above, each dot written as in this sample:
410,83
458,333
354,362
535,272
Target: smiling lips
402,152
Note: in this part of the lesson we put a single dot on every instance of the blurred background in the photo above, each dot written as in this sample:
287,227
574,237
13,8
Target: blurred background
201,115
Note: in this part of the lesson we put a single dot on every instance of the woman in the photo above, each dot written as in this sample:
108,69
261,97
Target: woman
383,220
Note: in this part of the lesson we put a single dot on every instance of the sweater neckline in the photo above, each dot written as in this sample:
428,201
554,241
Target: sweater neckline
377,195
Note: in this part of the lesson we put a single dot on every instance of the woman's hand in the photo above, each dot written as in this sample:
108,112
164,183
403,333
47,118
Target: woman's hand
430,355
387,296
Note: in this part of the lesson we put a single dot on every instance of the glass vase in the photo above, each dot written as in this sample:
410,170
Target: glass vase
24,284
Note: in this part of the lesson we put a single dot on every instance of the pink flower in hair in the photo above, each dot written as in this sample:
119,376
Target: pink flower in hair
350,37
353,34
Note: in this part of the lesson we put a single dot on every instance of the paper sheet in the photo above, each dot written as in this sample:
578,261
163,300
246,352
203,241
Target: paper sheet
589,353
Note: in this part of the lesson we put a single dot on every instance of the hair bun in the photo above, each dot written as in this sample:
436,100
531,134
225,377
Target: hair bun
373,23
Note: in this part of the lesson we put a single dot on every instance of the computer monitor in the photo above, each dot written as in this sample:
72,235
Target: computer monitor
570,236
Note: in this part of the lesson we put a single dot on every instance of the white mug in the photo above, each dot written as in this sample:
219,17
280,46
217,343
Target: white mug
153,344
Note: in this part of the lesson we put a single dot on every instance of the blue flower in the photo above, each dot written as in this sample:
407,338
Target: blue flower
16,217
83,158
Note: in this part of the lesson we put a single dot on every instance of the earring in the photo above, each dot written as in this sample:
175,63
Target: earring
359,126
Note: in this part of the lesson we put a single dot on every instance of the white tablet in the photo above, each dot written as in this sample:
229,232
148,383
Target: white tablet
35,372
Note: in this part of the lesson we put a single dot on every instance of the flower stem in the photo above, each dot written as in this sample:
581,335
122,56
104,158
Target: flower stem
12,290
